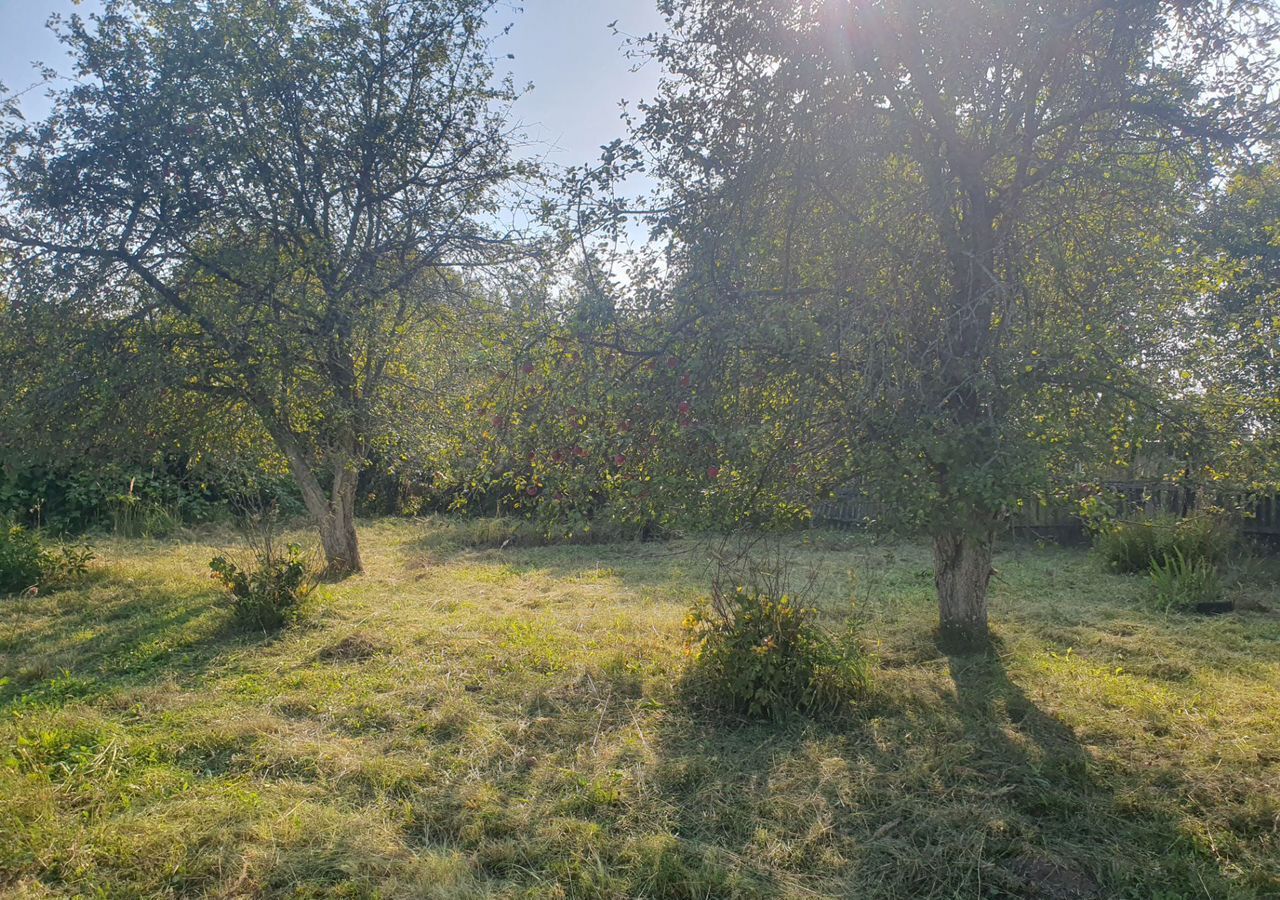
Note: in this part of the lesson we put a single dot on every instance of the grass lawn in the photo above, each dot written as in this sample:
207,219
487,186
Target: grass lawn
511,723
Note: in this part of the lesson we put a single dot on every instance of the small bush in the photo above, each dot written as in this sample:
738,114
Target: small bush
22,559
1139,544
268,586
66,565
26,564
768,658
267,595
1180,584
761,653
1207,536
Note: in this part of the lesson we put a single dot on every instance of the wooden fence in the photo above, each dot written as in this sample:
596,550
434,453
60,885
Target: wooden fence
1259,514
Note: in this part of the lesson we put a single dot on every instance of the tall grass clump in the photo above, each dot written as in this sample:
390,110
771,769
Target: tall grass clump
1136,545
1180,584
759,650
135,517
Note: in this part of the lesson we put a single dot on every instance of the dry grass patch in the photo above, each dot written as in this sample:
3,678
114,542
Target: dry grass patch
508,723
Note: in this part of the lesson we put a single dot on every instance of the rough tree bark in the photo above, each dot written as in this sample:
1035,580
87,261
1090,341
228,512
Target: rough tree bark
337,523
962,573
962,548
334,511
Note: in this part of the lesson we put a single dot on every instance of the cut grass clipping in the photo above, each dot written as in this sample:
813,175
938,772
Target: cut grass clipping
483,723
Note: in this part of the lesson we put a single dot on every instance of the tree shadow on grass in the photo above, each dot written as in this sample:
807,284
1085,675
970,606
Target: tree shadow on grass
931,790
1042,775
643,566
112,635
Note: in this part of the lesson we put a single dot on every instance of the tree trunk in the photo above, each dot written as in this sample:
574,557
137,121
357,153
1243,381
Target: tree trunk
338,538
334,513
336,516
962,571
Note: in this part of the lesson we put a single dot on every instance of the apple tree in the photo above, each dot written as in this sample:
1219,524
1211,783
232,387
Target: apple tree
951,223
286,193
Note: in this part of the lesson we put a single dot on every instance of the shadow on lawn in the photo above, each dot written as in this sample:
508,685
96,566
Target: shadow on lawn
112,635
1042,774
637,564
978,793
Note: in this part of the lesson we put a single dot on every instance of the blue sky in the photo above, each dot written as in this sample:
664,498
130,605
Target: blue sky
564,47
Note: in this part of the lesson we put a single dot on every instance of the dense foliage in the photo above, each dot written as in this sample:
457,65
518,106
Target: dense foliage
281,196
144,500
958,271
969,288
1230,330
1135,545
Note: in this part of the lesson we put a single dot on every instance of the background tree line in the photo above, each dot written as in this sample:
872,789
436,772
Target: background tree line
969,252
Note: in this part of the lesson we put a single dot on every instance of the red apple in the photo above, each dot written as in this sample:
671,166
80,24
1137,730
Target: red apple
619,460
713,472
684,407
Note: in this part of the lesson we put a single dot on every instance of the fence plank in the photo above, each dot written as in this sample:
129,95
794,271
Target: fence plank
856,507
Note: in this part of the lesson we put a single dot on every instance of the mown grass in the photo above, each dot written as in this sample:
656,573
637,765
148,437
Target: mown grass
467,722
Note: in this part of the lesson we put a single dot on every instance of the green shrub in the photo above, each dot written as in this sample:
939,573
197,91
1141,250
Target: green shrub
1127,547
769,658
269,581
136,499
22,559
26,564
1180,583
1208,536
1136,545
759,652
66,565
268,592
